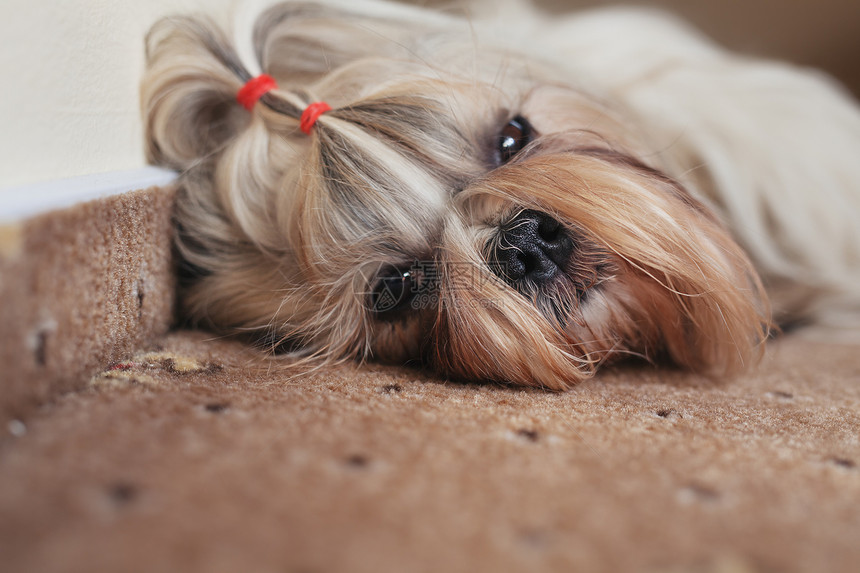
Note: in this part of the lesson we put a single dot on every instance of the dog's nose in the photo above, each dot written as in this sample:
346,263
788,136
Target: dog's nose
532,247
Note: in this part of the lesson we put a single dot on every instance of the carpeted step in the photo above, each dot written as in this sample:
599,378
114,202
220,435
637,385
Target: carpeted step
81,288
201,455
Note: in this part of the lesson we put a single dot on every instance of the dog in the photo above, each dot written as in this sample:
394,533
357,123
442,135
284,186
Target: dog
503,196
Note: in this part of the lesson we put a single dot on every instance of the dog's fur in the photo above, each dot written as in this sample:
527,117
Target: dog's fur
691,189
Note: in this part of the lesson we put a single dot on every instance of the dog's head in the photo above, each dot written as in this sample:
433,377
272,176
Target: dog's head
463,208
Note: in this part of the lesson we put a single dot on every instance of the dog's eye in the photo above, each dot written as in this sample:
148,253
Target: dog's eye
393,292
513,138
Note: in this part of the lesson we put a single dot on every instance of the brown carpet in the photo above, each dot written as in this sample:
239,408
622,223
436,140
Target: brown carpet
200,456
127,448
79,289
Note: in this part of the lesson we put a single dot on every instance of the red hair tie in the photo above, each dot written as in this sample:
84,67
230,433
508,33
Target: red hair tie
254,89
311,114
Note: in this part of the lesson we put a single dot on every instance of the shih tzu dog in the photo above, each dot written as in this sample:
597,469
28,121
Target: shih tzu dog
507,196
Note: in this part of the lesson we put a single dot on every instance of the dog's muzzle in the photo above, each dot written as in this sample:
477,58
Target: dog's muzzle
532,249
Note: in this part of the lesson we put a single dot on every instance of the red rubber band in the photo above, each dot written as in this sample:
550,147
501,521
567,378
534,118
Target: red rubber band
254,89
311,114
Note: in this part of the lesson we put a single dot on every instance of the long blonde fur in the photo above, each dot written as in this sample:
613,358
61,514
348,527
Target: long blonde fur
283,234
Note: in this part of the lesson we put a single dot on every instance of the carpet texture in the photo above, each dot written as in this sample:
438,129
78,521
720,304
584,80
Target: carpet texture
199,455
80,288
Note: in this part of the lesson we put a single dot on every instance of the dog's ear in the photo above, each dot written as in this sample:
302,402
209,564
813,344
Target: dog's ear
188,92
299,42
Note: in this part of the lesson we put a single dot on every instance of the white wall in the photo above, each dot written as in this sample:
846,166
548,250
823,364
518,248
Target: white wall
69,73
